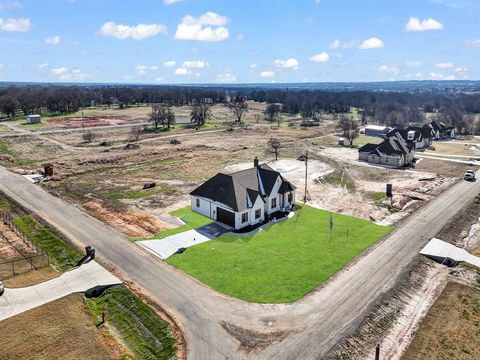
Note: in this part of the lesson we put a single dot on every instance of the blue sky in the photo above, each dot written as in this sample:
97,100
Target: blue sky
230,41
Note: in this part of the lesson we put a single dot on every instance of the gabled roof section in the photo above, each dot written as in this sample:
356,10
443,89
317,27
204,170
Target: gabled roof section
240,190
368,147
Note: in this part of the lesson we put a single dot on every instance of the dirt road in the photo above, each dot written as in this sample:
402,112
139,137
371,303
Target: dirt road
306,329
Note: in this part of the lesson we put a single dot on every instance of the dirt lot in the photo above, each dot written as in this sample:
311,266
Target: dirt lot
31,278
74,335
11,245
450,330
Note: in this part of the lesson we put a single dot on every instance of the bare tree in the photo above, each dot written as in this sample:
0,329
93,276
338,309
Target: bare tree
272,111
88,136
273,147
344,124
157,115
353,131
135,133
200,113
169,118
238,108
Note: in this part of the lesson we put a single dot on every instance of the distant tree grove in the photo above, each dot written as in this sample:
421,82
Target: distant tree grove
392,108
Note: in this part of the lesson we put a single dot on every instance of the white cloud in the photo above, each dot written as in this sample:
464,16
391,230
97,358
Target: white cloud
170,63
440,76
372,43
320,58
63,73
1,67
253,66
337,44
143,69
11,5
317,2
159,78
415,24
137,32
194,64
226,78
170,2
413,64
472,43
182,71
266,74
445,65
208,27
43,66
59,71
14,25
52,40
461,70
389,69
291,63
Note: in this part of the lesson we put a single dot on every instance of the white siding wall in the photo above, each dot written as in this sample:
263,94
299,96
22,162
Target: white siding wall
274,194
204,208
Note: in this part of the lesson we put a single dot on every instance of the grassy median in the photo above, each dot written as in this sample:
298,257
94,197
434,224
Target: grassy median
283,262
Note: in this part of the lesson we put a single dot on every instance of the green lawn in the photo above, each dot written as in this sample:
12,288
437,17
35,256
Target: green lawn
283,262
192,219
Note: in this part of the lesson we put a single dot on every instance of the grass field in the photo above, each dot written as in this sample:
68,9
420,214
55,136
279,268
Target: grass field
284,261
451,329
192,219
146,335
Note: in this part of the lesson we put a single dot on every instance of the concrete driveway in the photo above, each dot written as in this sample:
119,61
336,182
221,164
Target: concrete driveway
81,279
167,246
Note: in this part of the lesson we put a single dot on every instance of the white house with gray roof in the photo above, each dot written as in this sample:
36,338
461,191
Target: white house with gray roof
244,198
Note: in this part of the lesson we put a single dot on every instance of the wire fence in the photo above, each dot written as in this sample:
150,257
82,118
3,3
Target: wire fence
25,262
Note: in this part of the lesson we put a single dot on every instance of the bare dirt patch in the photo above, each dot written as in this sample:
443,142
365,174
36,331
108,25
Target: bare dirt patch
251,340
450,329
31,278
89,121
11,245
62,329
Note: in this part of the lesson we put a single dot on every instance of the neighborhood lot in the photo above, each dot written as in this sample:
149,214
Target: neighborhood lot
283,262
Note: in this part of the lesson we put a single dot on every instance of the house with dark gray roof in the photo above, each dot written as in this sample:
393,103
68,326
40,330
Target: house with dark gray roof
418,137
392,152
244,198
442,131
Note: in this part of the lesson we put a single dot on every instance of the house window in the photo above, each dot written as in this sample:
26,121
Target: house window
197,202
290,198
274,203
244,217
258,213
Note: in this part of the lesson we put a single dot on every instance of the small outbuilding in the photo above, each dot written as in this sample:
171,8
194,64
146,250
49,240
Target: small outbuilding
33,119
376,130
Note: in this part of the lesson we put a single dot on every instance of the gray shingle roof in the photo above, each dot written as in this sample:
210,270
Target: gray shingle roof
234,190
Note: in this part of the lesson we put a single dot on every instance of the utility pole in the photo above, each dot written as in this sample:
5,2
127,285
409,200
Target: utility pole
306,176
377,351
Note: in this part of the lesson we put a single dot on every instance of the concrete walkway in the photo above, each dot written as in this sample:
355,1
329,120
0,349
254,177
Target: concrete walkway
81,279
442,251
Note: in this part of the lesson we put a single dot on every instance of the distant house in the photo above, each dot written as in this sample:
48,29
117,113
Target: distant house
244,198
392,151
378,131
441,131
418,137
33,119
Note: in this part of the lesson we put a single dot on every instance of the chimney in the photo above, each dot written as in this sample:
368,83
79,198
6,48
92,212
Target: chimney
255,162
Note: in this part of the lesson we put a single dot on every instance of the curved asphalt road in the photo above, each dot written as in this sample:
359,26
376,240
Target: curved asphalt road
314,324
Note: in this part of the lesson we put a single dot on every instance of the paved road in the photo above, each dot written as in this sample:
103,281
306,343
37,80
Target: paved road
314,324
